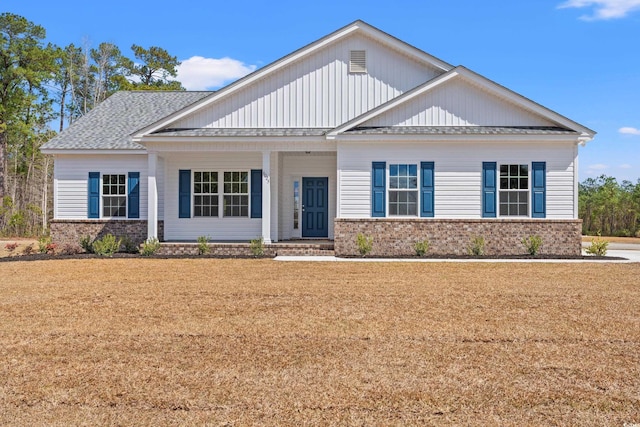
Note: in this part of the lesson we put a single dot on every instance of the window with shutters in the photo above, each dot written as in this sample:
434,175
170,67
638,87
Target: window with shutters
114,196
403,190
514,190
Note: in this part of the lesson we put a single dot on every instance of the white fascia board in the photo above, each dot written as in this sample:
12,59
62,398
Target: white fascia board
213,139
84,152
390,139
524,102
378,35
405,97
401,46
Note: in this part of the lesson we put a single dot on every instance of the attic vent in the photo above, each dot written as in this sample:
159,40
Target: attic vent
358,61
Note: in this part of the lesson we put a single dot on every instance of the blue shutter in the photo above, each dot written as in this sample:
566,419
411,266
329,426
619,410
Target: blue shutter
538,189
184,193
256,193
93,206
378,189
489,189
133,192
426,189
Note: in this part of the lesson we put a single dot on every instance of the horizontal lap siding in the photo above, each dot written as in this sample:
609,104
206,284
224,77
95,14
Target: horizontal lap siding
215,228
458,173
317,92
71,179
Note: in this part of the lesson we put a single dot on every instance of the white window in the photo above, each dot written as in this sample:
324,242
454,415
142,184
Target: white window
236,194
205,194
514,190
114,196
403,189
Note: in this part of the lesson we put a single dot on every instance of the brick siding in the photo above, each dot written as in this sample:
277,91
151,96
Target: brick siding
67,233
396,237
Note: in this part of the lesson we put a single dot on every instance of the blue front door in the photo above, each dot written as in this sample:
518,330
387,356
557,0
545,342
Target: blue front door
315,211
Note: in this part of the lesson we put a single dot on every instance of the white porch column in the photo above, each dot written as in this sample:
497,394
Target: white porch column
266,196
152,195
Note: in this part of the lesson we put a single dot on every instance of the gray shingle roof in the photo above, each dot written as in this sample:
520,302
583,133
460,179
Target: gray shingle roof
461,130
244,132
111,124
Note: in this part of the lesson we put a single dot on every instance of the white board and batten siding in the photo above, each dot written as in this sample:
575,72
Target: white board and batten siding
71,180
295,166
458,102
318,92
218,229
457,175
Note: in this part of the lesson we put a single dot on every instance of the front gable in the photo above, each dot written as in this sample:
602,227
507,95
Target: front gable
313,87
464,99
318,91
459,102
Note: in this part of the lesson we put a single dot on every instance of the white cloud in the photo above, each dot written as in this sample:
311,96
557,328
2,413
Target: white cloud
199,73
629,131
625,166
604,9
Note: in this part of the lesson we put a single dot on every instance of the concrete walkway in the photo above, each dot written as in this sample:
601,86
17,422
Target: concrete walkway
630,252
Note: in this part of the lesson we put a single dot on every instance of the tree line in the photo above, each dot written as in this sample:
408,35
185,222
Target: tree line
41,84
609,207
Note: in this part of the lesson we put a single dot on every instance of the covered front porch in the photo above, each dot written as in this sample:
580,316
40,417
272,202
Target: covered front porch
234,194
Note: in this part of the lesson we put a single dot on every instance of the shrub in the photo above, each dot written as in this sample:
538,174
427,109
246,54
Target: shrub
51,248
107,246
27,250
43,242
365,244
86,244
598,246
476,248
129,246
257,246
150,247
203,245
69,249
10,247
532,244
421,247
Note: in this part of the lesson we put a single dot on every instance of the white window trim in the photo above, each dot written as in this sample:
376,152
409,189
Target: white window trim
416,190
500,190
221,195
126,197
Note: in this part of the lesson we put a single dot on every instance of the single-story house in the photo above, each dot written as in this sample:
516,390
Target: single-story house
357,132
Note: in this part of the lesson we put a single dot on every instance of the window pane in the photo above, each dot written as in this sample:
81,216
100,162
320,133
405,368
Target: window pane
524,169
523,210
393,170
393,182
412,196
504,183
393,196
513,170
413,182
402,209
513,183
402,170
412,209
197,177
524,183
504,170
413,170
121,179
393,209
504,209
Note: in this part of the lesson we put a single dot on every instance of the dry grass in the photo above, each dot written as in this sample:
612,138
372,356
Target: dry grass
237,342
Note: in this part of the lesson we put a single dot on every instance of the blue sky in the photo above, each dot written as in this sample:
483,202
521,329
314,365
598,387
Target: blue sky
580,58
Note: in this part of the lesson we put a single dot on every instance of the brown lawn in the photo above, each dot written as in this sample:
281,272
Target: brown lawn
246,342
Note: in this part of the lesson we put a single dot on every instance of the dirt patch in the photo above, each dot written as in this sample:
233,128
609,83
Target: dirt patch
257,342
16,246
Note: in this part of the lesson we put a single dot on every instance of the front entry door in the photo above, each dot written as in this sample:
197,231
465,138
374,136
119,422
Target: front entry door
315,209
